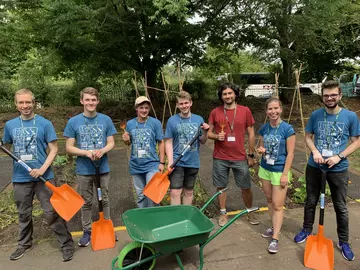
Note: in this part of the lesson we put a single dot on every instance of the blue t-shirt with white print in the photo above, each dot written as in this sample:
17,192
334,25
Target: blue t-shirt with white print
275,144
144,137
29,139
90,133
181,131
332,134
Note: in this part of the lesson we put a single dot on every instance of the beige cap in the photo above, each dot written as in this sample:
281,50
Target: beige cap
140,100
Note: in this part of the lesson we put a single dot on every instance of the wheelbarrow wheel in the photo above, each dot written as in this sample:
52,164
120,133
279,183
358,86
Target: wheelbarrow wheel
131,254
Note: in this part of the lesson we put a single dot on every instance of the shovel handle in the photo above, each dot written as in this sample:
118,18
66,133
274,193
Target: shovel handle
187,147
98,185
322,197
19,161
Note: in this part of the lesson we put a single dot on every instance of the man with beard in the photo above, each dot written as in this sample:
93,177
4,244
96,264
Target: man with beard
228,125
180,129
327,135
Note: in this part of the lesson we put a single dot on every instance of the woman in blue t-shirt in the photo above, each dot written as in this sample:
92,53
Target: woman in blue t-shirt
277,144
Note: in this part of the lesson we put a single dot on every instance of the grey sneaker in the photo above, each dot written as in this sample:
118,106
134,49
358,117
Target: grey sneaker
269,232
273,246
19,252
68,255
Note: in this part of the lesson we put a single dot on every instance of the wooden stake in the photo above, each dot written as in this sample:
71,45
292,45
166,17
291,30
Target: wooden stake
277,84
147,95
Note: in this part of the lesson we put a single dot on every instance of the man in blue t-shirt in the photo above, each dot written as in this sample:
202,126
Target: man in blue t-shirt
180,129
30,135
327,134
143,133
93,134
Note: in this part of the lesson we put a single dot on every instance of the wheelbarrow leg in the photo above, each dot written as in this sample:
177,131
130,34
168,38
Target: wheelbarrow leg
179,261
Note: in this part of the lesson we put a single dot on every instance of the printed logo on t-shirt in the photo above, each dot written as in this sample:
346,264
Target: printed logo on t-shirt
272,145
25,144
141,142
91,137
330,134
186,132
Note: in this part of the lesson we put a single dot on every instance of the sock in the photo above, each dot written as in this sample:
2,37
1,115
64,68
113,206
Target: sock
223,211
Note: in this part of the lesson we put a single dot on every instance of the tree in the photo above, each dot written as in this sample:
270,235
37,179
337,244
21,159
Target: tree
290,30
104,37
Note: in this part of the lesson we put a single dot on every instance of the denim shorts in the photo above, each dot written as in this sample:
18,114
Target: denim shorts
183,177
221,169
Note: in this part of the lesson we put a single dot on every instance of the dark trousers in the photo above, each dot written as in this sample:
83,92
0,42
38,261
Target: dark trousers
338,183
24,195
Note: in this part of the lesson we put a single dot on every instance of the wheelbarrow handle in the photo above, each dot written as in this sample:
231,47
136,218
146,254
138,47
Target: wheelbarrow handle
212,198
19,161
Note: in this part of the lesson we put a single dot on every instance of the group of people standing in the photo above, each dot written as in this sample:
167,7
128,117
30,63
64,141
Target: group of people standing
90,136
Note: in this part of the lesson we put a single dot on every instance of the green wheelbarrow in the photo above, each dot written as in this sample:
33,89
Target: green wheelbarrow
164,230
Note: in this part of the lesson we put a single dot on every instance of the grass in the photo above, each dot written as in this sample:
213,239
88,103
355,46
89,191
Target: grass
8,210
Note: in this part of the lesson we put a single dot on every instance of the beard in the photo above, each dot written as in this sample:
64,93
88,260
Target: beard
331,106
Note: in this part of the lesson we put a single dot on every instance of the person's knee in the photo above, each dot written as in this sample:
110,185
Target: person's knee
51,217
25,215
175,192
277,206
188,192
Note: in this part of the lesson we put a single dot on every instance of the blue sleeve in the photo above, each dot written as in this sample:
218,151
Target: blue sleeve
127,128
158,131
50,134
310,124
261,130
289,131
169,134
7,135
69,130
111,130
354,126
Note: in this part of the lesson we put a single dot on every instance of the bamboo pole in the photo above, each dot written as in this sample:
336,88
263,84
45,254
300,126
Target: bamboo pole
147,95
277,84
297,76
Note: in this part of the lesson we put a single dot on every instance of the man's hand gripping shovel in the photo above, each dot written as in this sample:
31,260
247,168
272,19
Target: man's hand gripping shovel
65,200
159,184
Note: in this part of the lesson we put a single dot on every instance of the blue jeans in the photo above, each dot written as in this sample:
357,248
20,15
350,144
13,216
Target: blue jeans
140,181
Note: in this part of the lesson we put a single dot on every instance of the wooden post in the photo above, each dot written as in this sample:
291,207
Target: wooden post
277,84
147,95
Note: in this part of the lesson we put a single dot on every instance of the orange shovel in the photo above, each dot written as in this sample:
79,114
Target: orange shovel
66,201
319,251
103,233
159,184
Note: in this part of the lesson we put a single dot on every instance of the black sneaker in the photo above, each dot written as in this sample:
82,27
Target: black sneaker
19,252
68,255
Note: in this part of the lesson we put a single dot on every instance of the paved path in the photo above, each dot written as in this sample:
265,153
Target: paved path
238,247
120,191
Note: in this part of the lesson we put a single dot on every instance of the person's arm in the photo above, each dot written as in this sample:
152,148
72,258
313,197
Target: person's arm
290,148
310,144
161,147
169,151
213,135
251,141
53,149
73,150
205,127
352,147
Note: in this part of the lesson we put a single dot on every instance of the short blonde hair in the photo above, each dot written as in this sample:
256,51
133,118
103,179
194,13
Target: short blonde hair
89,90
183,94
24,91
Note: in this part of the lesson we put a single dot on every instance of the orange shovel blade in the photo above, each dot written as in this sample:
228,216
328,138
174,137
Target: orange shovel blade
65,200
319,252
102,234
157,188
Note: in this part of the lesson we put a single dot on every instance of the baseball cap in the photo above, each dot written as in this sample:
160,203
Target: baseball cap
140,100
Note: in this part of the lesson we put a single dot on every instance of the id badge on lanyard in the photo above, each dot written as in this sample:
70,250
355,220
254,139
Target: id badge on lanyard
231,137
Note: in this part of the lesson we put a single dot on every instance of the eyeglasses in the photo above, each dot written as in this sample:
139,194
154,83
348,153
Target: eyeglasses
332,96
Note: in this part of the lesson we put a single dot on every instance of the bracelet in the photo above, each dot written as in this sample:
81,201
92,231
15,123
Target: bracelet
163,163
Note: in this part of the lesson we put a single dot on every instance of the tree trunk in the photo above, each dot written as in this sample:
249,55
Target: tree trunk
287,94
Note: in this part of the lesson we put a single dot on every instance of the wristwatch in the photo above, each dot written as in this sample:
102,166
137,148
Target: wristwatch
341,156
163,163
251,155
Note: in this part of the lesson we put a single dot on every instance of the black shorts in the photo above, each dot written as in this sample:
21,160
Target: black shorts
183,177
